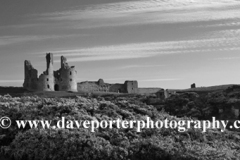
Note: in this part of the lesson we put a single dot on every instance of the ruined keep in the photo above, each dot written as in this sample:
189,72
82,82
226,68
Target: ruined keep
63,79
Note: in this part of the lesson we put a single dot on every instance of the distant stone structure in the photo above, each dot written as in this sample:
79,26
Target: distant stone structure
63,79
193,85
101,86
161,94
168,93
148,91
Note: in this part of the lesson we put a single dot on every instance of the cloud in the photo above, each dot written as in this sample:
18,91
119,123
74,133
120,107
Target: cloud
227,58
20,26
147,11
225,40
7,40
224,23
140,66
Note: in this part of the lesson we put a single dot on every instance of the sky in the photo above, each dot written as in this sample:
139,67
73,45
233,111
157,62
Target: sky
160,43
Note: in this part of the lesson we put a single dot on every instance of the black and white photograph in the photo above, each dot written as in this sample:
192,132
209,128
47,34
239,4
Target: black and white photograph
120,80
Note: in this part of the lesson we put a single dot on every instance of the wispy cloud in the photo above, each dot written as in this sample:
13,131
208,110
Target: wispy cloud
152,11
226,40
140,66
6,40
225,23
21,26
227,58
148,11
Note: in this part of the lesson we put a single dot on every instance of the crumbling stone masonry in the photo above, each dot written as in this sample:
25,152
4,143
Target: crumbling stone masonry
63,79
101,86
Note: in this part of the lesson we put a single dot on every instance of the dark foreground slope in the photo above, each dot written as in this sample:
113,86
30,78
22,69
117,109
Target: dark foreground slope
105,144
15,91
222,104
20,91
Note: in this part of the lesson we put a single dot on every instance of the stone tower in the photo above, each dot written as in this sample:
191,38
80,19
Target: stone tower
49,59
30,77
131,86
66,77
47,80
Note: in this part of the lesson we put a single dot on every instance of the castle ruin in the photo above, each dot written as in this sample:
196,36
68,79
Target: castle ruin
101,86
63,79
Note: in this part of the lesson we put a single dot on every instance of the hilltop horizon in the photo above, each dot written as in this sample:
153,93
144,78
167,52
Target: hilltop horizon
214,87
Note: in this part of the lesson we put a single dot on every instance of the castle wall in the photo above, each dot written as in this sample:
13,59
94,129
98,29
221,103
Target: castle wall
87,86
100,86
118,88
148,90
93,87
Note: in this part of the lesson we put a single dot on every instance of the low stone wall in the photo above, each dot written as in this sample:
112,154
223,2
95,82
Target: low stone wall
148,90
93,87
90,86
